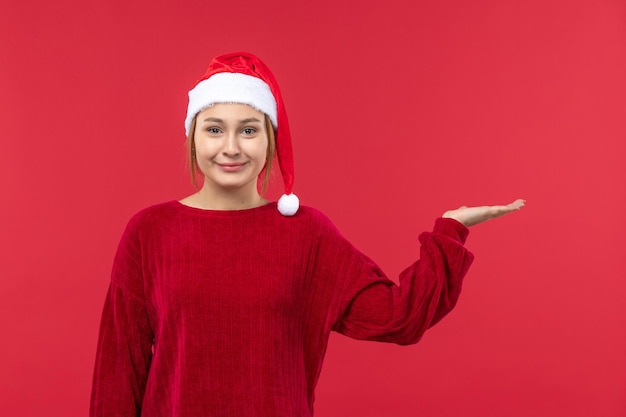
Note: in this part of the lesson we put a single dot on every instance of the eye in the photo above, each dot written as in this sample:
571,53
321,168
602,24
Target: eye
213,130
248,131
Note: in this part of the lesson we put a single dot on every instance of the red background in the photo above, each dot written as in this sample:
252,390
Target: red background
399,111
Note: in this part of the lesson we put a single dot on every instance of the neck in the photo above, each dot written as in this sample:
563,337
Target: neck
214,198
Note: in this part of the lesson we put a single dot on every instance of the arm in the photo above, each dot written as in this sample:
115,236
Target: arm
378,309
125,341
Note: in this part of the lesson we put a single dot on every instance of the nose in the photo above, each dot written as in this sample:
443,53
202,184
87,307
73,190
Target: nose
231,147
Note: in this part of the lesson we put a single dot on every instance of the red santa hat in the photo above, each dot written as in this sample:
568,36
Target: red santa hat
243,78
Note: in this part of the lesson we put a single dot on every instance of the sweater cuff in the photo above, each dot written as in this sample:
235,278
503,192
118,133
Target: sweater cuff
451,228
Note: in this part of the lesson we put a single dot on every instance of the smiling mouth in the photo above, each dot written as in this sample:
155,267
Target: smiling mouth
231,167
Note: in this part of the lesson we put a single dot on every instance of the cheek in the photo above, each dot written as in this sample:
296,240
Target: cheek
260,149
206,148
253,148
263,152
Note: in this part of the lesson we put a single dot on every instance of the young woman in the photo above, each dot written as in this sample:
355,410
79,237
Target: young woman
221,304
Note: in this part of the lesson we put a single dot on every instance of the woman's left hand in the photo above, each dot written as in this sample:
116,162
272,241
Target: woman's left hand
471,216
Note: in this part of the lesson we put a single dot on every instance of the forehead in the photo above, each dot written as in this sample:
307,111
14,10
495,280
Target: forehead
229,111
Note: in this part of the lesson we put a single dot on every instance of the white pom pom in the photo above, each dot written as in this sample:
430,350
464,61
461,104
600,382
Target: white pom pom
288,204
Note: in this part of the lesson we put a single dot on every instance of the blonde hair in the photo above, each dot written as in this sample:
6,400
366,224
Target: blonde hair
194,169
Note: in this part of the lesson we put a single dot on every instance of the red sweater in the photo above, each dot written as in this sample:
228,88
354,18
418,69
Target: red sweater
228,313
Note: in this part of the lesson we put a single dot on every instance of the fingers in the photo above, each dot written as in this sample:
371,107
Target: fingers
517,204
470,216
497,211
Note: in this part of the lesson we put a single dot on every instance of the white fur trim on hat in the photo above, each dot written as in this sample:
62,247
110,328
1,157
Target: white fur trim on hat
231,87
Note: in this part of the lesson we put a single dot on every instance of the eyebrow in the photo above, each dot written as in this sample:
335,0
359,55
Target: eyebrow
244,121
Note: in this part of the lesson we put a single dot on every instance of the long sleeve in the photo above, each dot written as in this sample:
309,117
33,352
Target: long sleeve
375,308
125,342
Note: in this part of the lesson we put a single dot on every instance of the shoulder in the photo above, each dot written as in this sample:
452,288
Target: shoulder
151,216
155,211
315,220
310,213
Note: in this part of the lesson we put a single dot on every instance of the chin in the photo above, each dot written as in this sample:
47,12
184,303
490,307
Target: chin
232,186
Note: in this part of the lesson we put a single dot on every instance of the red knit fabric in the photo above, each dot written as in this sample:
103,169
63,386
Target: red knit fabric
228,313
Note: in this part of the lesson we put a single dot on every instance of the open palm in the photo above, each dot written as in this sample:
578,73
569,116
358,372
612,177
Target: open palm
471,216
